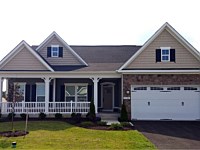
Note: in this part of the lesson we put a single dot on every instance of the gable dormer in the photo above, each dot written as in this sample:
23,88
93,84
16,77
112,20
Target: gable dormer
166,49
58,53
24,58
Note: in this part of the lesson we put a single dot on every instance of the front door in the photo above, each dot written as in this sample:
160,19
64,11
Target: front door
107,97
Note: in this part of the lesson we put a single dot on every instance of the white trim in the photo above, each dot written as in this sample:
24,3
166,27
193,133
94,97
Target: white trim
1,87
55,46
17,49
172,31
54,90
112,85
64,43
160,71
13,74
165,48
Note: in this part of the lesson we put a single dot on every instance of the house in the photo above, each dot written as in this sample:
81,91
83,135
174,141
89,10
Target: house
158,80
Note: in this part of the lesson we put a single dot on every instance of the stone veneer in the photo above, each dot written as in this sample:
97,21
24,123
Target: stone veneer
155,79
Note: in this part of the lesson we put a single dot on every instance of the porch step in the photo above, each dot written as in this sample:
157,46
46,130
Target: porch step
109,116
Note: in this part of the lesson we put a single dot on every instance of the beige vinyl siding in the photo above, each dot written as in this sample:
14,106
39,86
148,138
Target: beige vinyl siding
24,60
147,59
67,59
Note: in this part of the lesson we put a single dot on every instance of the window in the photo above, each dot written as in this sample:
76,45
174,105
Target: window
165,53
190,88
76,92
156,88
54,50
40,92
173,88
140,88
19,91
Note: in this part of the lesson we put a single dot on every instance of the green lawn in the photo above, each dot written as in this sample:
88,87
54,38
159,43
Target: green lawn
61,135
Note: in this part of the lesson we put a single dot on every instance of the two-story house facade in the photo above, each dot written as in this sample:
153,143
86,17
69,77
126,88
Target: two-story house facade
158,80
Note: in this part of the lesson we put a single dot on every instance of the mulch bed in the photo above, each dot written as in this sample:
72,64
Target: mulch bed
13,134
108,129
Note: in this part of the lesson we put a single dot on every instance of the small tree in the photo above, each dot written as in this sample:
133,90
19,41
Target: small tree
15,95
124,114
92,108
91,114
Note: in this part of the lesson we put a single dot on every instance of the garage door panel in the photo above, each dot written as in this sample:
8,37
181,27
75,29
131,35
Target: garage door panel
175,104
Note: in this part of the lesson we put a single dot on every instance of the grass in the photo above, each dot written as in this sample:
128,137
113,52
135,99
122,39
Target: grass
61,135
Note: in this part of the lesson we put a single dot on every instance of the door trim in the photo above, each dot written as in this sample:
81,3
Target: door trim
112,85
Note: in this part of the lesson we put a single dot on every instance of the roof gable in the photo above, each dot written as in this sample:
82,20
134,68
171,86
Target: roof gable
23,57
73,55
174,33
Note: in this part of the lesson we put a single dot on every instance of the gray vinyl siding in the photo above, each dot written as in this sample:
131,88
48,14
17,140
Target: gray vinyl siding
24,60
67,59
184,59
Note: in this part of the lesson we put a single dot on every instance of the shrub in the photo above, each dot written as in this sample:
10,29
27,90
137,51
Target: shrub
23,116
10,115
116,126
102,123
76,117
87,124
92,108
73,115
42,115
124,114
125,124
0,115
58,116
91,115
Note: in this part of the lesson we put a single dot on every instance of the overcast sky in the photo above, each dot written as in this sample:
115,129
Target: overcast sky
92,22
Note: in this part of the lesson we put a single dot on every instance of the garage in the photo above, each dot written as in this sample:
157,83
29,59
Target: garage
165,102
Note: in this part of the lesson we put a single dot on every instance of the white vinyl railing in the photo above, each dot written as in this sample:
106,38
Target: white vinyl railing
38,107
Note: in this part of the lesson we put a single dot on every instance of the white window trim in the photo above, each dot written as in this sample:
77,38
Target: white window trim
165,48
76,84
52,46
21,83
39,83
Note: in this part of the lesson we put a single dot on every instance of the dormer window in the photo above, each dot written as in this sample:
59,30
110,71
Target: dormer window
54,50
165,53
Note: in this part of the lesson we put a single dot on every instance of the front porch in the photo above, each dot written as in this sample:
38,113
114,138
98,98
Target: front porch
62,95
40,107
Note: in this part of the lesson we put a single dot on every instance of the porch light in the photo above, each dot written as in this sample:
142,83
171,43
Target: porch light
127,92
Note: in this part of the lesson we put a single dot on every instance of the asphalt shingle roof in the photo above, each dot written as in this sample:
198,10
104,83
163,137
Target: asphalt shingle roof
100,58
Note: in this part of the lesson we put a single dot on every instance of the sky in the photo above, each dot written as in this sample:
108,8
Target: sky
95,22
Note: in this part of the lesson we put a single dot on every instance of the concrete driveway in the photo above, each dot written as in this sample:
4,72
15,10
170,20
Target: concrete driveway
171,134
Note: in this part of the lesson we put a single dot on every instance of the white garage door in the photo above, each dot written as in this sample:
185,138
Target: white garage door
155,102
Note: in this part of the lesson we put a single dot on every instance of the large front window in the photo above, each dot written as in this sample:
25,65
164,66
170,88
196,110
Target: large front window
40,92
19,91
76,92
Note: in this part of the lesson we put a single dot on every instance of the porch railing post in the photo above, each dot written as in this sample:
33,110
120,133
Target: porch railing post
23,104
71,107
1,83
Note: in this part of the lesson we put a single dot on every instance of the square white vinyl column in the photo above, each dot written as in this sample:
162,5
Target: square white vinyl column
95,81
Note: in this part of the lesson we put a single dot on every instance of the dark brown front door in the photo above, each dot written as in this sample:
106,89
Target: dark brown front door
107,98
